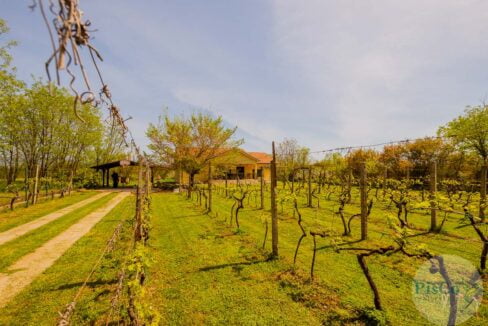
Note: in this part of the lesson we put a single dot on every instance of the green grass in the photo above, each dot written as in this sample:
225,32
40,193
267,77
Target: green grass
204,273
40,302
341,273
21,215
15,249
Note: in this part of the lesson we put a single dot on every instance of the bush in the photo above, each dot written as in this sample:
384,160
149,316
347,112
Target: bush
165,185
92,183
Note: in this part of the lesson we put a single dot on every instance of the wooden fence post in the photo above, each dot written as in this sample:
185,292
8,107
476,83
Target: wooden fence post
349,183
310,187
364,202
180,179
26,186
138,222
262,188
148,179
433,190
209,187
292,180
274,215
36,182
226,189
385,177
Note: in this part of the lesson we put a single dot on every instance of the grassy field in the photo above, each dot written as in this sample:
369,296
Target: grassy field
196,243
13,250
204,271
21,215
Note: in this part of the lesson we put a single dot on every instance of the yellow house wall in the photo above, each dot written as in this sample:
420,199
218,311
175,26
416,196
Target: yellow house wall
266,171
231,161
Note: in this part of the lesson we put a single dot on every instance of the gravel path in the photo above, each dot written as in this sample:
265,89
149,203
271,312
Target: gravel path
27,268
20,230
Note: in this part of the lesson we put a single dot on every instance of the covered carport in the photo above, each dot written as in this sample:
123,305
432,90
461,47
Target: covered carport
105,168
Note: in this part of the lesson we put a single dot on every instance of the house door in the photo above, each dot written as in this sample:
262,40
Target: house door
240,172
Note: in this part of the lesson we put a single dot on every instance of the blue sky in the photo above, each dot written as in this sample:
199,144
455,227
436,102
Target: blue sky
328,73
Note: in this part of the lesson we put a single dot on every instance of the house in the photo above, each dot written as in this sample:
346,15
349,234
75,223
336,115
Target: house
235,164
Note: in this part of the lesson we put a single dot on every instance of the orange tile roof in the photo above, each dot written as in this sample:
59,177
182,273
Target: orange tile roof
263,158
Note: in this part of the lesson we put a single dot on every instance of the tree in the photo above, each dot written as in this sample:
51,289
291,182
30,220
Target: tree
190,143
5,56
470,133
10,97
291,156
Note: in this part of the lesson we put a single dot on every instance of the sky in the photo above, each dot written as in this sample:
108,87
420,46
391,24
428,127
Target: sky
326,73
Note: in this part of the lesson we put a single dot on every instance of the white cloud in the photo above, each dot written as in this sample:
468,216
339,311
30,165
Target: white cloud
376,58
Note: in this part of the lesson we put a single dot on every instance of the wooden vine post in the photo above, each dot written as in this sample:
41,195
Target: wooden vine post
180,178
364,202
385,178
274,214
36,182
309,187
433,190
26,186
138,226
148,180
261,181
226,189
209,183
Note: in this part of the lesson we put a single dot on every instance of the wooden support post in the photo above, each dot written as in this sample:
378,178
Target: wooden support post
226,190
36,182
209,208
26,185
484,171
292,180
261,181
385,177
138,226
149,179
433,190
274,213
349,183
364,202
309,187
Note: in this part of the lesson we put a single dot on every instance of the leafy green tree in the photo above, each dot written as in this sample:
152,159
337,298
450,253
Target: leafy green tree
470,132
5,56
291,156
190,143
10,98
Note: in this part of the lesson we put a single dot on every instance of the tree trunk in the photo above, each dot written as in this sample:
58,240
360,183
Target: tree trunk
372,284
483,192
274,213
190,184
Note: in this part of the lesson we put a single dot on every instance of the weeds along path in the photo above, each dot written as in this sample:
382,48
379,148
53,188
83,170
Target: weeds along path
26,269
20,230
